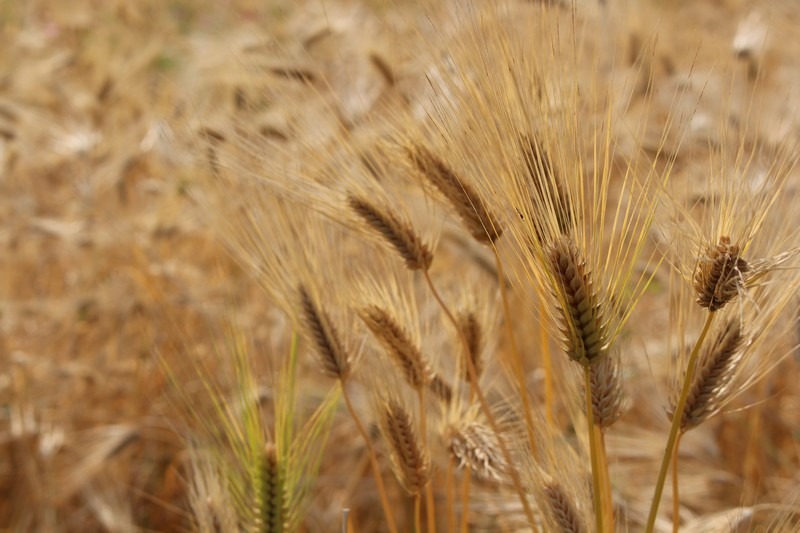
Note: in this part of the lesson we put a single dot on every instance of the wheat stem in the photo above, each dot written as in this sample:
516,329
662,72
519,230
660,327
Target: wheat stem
547,361
602,463
676,500
376,471
596,476
465,483
475,386
417,513
519,368
450,494
429,503
677,416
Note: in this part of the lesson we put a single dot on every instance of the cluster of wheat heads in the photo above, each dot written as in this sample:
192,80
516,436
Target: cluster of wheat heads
511,264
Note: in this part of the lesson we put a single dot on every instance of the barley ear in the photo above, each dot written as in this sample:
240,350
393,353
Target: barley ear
398,233
583,327
331,351
398,343
271,496
409,458
475,446
607,395
563,514
463,198
713,376
719,275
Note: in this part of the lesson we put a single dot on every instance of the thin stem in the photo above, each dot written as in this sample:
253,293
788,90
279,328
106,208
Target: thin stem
450,494
465,500
596,481
473,378
519,368
376,471
547,361
676,500
429,503
602,463
676,424
417,513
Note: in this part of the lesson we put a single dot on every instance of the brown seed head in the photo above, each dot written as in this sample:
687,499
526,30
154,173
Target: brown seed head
398,344
712,379
397,233
606,391
272,501
583,327
475,446
410,460
331,351
441,389
464,199
719,276
471,328
565,516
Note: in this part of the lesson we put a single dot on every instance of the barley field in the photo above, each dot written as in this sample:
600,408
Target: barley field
399,265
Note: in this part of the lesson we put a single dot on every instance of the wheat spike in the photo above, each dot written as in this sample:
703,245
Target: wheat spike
411,462
583,327
606,391
471,328
714,373
464,199
564,515
272,500
441,389
719,275
330,349
475,446
398,344
397,233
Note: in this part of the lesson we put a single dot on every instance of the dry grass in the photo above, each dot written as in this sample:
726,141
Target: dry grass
170,168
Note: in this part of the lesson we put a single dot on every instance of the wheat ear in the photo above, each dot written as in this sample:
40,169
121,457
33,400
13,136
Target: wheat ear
474,446
271,495
398,344
719,275
332,354
336,363
464,199
409,457
565,516
398,233
583,328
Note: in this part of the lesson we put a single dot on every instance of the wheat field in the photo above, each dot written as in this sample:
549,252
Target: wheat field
388,265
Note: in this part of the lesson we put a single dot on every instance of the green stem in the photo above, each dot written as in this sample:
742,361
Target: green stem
596,482
676,425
